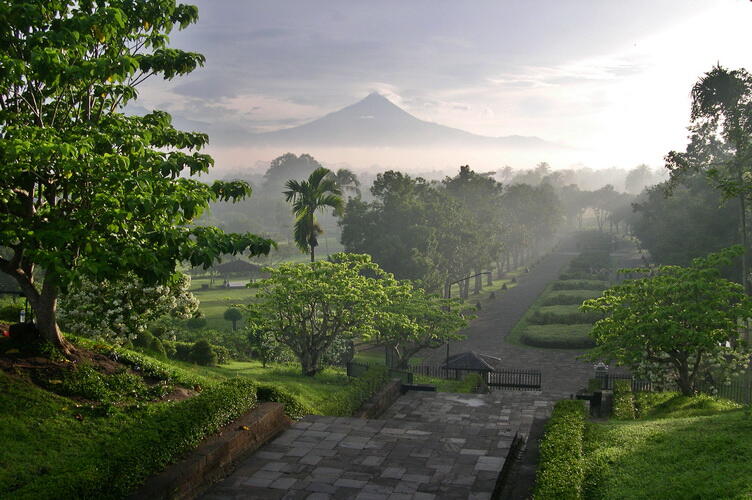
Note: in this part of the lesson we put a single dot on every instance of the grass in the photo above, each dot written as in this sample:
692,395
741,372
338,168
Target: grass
315,392
556,336
569,297
698,447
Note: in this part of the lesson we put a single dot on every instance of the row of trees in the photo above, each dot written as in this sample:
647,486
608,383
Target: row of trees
438,233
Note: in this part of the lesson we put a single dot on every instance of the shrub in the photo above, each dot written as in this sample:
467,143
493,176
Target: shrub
144,339
624,404
293,407
86,382
575,336
203,354
570,318
11,311
196,323
568,297
157,349
470,383
346,402
560,468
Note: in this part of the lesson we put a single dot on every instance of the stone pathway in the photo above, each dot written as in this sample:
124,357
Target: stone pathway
562,373
427,446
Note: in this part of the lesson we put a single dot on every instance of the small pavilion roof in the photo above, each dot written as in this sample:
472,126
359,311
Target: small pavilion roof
470,360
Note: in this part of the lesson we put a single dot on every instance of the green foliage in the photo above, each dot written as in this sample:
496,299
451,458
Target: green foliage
183,351
233,314
569,297
203,354
196,323
651,405
157,349
361,389
86,382
294,408
308,196
87,190
53,449
580,285
560,467
558,336
569,318
677,323
687,457
624,402
10,311
308,306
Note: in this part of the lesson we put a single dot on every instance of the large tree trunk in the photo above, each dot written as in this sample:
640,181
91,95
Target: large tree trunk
309,363
45,310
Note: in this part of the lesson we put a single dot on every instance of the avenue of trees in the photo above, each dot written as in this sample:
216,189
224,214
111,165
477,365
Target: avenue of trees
438,233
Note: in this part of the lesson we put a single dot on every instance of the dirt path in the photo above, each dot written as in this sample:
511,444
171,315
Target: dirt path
562,372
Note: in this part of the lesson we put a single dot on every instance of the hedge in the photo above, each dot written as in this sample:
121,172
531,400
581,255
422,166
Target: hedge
561,465
183,351
580,284
624,403
575,317
154,438
569,297
293,407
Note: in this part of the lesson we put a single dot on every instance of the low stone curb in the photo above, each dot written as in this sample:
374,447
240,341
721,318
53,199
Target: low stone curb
214,458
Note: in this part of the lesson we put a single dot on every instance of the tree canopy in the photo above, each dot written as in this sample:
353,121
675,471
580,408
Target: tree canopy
87,190
676,323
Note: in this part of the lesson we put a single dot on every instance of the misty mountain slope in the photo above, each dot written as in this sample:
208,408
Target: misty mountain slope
377,122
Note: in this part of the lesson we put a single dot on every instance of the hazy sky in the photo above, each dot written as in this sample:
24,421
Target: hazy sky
610,78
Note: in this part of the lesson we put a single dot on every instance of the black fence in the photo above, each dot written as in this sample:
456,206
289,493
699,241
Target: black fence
511,379
739,391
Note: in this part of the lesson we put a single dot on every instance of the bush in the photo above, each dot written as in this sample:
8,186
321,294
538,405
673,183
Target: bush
11,311
470,383
165,433
569,297
346,402
86,382
196,323
157,349
183,351
624,404
144,339
571,318
560,468
293,407
203,354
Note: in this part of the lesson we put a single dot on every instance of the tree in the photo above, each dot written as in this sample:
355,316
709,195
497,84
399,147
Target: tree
286,167
721,141
682,323
86,190
308,306
233,314
346,180
414,322
308,196
265,345
122,309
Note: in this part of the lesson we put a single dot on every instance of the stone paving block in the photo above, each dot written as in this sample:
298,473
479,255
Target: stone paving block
283,483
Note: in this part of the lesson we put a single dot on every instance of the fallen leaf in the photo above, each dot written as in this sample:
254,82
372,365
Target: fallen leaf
244,428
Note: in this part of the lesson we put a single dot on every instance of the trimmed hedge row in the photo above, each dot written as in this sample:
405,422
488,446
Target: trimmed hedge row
567,297
186,351
293,407
579,284
624,402
158,435
561,467
549,318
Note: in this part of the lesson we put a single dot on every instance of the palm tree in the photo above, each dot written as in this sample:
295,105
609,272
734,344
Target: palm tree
307,196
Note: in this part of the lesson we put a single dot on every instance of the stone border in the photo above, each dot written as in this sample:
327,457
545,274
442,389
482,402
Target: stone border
215,456
381,401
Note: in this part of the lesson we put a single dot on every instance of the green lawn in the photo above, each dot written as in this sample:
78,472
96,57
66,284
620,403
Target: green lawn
315,392
683,448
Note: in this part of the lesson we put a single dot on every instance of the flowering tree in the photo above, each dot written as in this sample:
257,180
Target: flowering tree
120,310
678,323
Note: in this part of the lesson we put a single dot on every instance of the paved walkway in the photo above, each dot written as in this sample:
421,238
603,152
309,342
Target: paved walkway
427,446
562,373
